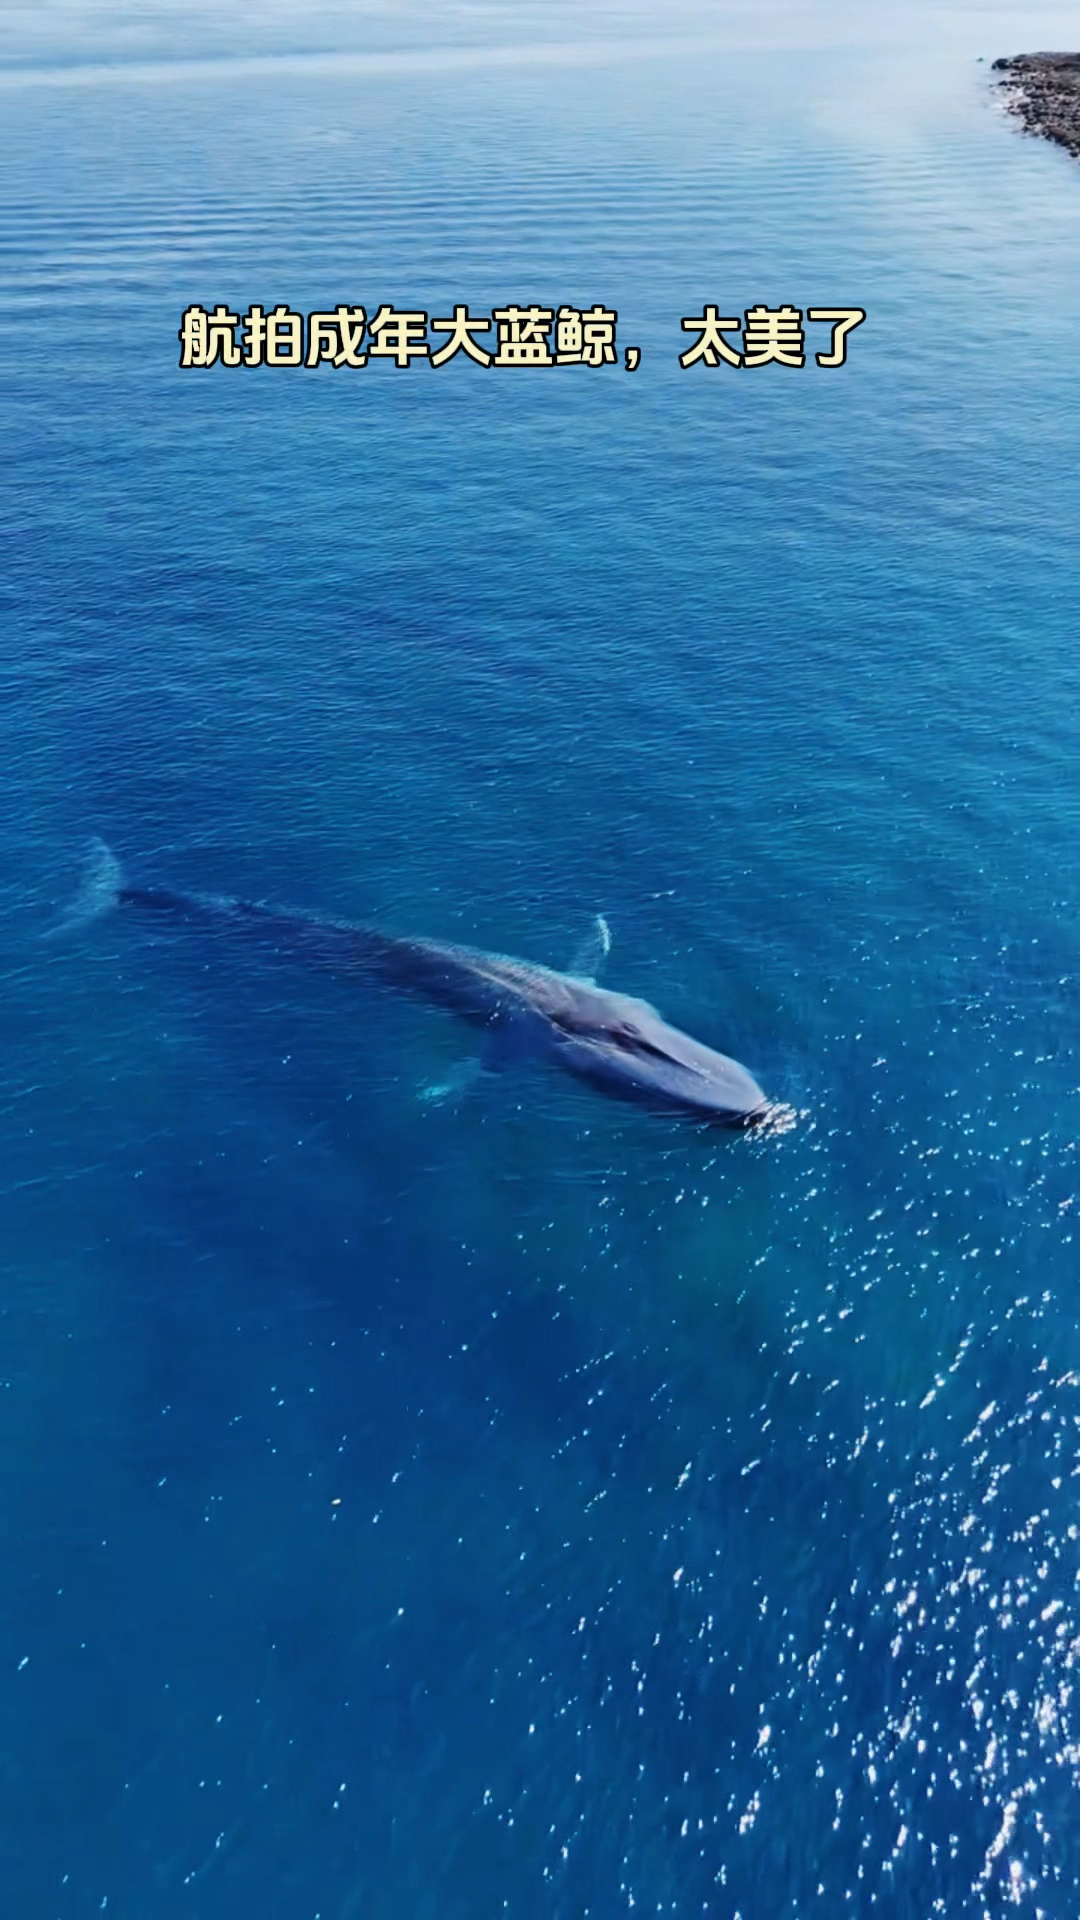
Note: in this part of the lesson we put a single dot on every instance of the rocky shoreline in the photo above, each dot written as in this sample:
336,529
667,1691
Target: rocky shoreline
1043,90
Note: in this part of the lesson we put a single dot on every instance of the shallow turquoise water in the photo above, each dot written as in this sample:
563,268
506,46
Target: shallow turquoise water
531,1506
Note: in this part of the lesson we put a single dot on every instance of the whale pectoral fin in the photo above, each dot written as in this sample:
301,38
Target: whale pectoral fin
459,1083
588,961
501,1047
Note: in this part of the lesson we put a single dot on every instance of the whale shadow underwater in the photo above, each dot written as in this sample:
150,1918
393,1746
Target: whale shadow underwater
524,1011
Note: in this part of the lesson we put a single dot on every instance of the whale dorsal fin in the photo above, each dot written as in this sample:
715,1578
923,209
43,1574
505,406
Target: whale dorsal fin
587,963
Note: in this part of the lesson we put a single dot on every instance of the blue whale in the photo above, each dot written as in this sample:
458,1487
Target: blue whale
615,1042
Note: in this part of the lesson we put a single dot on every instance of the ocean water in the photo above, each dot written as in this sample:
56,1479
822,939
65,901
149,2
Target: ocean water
529,1506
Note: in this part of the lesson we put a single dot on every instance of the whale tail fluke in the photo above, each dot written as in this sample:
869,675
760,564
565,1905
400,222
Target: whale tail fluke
99,892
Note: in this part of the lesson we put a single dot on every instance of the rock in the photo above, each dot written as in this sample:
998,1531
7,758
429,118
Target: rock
1043,91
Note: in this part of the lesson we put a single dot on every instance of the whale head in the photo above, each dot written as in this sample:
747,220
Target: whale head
626,1046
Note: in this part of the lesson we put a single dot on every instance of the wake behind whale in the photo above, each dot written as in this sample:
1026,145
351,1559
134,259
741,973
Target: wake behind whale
523,1010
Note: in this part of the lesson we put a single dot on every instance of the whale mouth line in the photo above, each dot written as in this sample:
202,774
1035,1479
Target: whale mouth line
626,1038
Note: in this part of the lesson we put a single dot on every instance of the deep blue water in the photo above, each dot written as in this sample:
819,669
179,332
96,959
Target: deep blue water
530,1506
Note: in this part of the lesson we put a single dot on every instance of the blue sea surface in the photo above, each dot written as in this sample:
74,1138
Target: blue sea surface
524,1504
